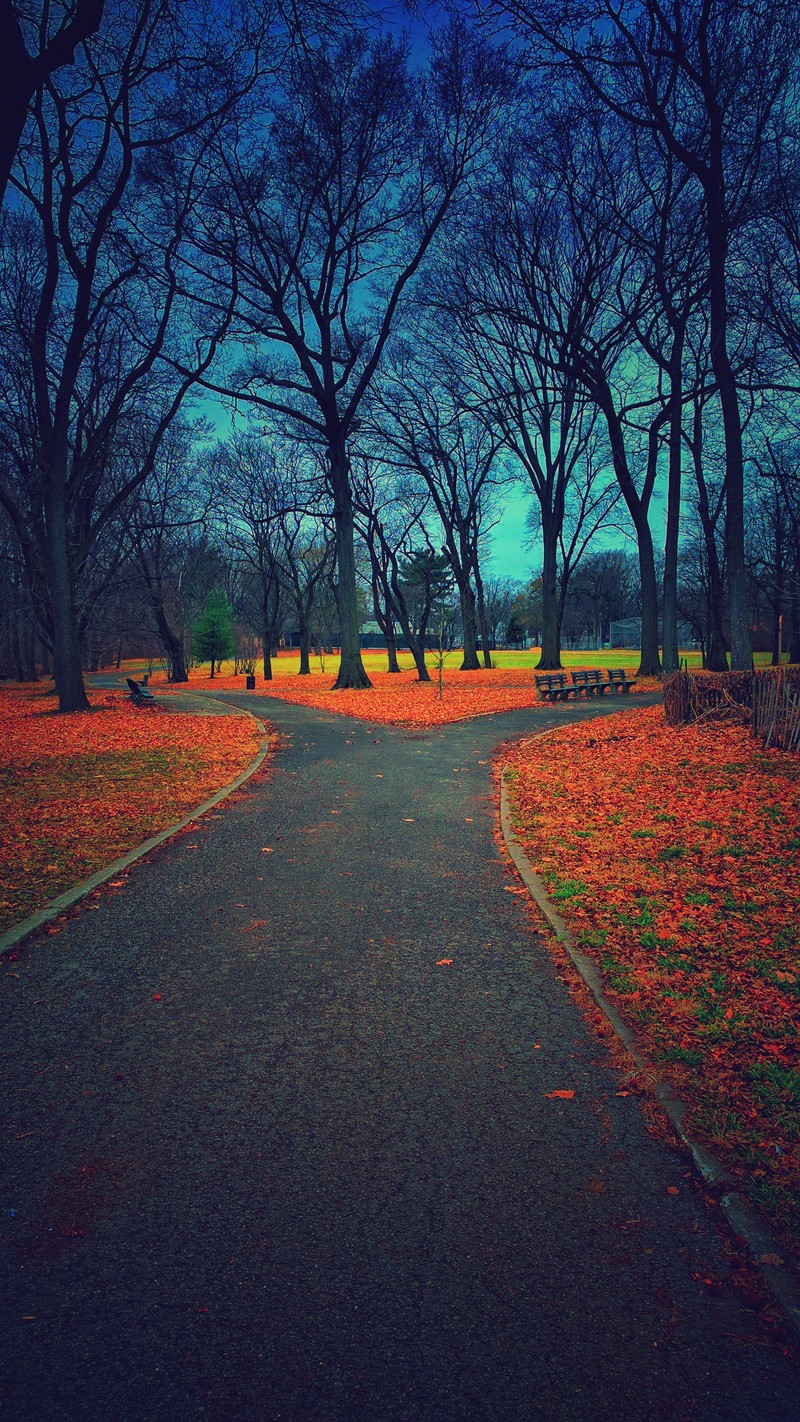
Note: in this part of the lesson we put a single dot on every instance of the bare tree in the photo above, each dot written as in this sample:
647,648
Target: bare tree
426,425
162,522
251,481
523,288
103,330
326,223
390,517
306,555
708,81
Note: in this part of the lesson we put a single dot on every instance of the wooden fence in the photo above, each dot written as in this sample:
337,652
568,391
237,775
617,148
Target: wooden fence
765,698
776,713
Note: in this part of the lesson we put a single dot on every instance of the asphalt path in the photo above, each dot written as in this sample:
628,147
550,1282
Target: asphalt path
269,1159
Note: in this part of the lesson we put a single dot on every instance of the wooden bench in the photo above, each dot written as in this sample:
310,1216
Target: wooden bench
554,687
618,681
590,682
140,696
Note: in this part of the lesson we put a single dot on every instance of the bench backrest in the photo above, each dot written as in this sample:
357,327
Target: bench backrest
134,685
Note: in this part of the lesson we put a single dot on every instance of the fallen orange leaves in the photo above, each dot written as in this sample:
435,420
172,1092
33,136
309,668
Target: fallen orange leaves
398,698
672,854
78,791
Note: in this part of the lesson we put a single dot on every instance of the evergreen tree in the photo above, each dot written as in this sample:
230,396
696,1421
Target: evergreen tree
213,634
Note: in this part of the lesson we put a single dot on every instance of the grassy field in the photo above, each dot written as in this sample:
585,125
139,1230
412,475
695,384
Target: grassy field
287,663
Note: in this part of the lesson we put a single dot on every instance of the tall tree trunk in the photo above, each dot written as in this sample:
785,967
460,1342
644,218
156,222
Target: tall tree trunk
467,599
738,605
266,635
176,655
483,621
169,639
671,650
418,653
305,648
391,650
649,663
716,651
550,659
351,668
66,643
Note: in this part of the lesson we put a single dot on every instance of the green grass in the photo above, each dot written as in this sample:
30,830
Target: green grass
288,663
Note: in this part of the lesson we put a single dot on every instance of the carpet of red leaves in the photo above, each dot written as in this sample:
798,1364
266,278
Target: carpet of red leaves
398,698
78,791
673,855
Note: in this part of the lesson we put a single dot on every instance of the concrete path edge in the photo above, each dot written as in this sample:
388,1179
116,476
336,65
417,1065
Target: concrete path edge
779,1278
14,936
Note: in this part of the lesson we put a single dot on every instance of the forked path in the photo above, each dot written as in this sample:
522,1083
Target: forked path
267,1162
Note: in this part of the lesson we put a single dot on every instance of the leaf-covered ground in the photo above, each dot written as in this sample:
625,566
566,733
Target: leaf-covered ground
673,854
398,698
78,791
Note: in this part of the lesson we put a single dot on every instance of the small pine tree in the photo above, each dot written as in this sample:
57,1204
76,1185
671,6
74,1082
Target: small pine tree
213,636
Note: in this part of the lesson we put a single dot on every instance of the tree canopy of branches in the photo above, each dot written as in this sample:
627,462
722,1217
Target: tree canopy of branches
325,209
708,82
104,333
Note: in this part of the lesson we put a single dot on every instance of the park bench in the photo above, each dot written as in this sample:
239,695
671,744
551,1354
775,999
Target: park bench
618,681
554,687
140,696
590,682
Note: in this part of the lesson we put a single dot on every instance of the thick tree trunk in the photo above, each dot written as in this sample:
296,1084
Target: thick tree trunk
649,663
305,653
170,641
391,650
467,599
418,653
716,650
66,643
483,621
550,659
352,675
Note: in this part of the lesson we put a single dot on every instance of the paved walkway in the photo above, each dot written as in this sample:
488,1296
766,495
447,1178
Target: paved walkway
267,1162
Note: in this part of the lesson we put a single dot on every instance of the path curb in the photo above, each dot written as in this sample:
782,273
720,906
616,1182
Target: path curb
778,1278
14,936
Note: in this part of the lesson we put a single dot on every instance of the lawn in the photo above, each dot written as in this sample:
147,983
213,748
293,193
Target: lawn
673,854
78,791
